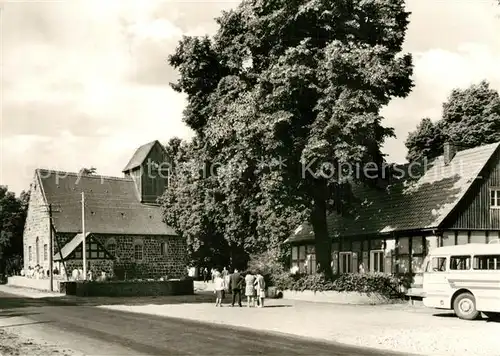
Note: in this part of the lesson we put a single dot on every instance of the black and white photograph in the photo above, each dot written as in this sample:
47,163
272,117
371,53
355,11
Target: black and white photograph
249,177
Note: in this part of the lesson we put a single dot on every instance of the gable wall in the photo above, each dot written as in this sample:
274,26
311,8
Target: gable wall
153,184
37,225
474,211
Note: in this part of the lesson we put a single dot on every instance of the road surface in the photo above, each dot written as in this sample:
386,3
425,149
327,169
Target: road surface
97,331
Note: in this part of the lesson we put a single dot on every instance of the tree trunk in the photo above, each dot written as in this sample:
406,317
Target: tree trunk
323,243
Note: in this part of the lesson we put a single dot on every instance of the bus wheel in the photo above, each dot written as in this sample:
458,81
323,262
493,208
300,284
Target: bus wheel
492,315
465,307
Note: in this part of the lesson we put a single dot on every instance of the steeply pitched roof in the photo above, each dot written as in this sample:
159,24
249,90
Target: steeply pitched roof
412,203
111,205
140,155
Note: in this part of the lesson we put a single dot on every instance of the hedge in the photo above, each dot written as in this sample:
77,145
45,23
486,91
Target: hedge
369,283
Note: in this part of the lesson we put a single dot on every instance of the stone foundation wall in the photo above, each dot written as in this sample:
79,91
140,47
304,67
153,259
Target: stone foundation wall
128,289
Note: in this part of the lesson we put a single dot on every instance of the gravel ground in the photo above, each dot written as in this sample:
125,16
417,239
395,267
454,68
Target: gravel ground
404,328
14,345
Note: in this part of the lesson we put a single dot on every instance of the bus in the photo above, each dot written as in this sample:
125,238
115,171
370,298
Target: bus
465,279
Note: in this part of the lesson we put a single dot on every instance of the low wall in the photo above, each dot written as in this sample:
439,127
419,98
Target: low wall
338,297
127,288
32,283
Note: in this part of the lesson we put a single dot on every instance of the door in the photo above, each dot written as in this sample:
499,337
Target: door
436,287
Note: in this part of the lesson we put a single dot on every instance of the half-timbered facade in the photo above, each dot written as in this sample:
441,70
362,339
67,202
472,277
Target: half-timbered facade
455,200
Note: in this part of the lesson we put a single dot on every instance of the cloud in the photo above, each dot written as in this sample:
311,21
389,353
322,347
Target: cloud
86,82
454,44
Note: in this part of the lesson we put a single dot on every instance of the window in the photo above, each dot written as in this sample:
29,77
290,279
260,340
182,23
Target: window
45,252
495,198
310,259
164,248
377,261
416,264
335,262
299,258
111,247
295,256
460,263
357,256
311,264
437,264
138,253
30,253
487,262
345,262
94,251
403,258
37,250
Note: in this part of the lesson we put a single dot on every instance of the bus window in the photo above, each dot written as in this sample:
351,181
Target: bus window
487,262
436,264
460,263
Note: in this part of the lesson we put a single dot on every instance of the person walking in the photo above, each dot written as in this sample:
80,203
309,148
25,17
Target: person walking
218,288
235,283
250,289
205,274
260,289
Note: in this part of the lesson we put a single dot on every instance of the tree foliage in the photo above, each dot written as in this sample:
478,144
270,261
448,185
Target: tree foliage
12,217
470,118
284,89
87,171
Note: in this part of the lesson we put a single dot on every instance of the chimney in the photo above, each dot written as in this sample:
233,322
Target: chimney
449,152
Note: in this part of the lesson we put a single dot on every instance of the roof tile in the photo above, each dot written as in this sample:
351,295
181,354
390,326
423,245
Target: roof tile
112,205
412,203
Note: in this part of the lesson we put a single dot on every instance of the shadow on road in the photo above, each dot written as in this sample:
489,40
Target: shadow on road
482,317
14,313
25,324
15,302
445,315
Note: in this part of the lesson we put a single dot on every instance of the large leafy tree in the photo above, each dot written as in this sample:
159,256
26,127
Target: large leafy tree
284,94
87,171
12,217
470,118
192,204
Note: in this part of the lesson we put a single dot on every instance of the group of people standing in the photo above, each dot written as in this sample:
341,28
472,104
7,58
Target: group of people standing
252,283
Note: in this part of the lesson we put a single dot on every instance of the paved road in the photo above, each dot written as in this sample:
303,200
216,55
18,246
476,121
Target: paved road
100,331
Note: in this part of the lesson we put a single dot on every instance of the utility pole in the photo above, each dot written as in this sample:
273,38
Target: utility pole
51,253
84,245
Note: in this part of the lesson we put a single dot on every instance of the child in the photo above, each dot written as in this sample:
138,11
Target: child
260,286
219,286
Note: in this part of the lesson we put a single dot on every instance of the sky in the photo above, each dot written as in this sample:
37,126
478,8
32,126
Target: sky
85,82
